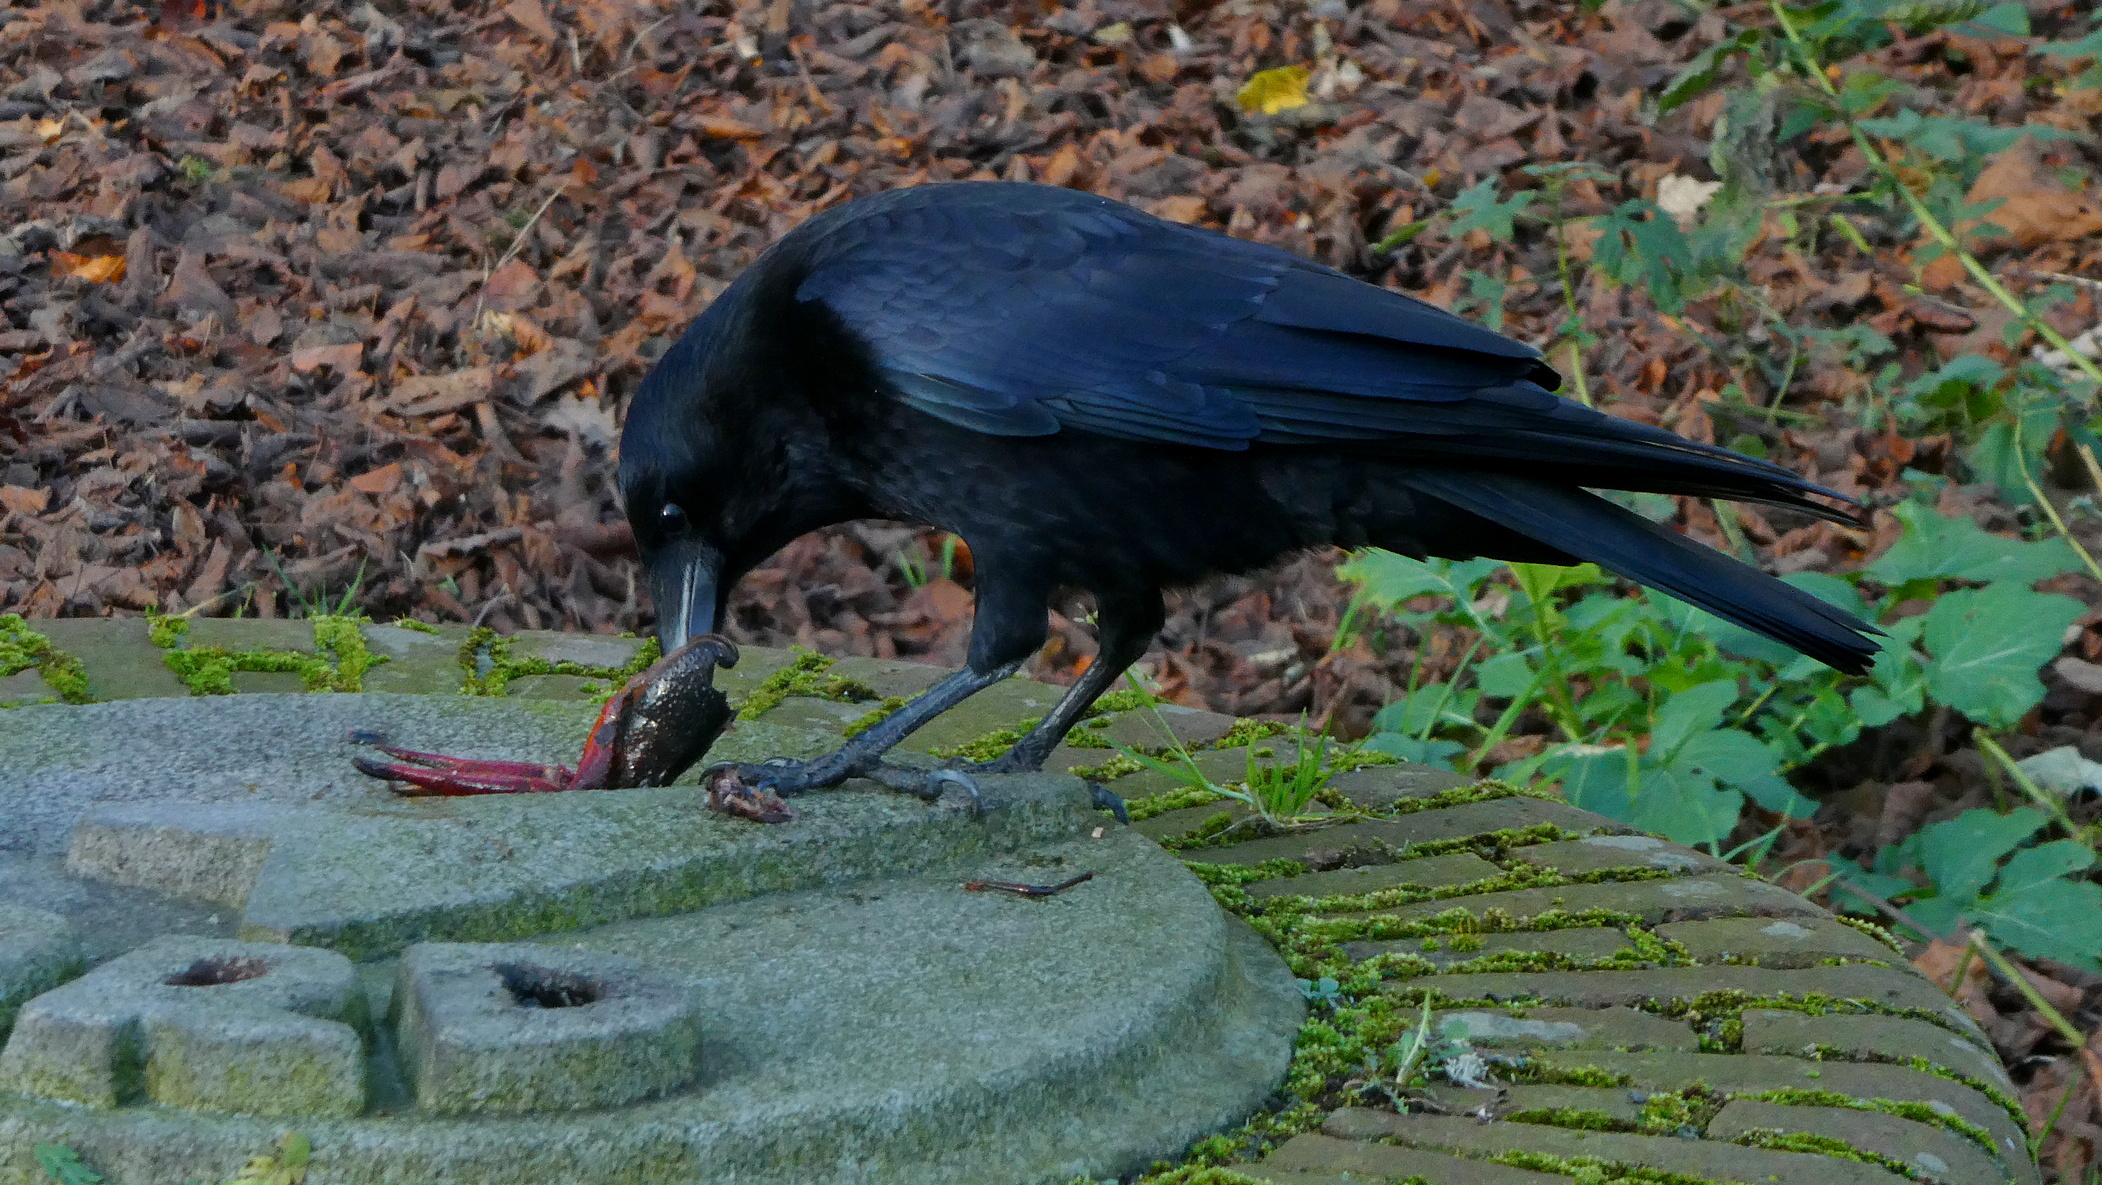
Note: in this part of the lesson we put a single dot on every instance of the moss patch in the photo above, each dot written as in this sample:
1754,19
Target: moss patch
487,665
805,675
338,663
22,648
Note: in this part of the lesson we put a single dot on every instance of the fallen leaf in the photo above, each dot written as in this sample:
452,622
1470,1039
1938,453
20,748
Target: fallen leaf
96,269
1272,91
2035,208
24,500
342,358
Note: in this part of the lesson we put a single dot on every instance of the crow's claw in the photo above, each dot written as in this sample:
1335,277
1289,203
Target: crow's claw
1107,799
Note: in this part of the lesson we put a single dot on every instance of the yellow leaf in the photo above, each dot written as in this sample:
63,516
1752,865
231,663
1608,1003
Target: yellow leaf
48,130
96,269
1272,91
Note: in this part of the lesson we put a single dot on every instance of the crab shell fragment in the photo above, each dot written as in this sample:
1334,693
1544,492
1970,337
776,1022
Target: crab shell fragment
663,721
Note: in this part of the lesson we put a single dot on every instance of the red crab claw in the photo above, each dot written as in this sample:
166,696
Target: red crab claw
434,774
652,730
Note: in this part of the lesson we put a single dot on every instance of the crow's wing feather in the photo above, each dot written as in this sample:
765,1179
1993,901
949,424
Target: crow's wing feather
1023,310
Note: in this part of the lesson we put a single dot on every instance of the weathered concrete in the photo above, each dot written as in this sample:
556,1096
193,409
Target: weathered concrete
38,951
200,1024
494,1028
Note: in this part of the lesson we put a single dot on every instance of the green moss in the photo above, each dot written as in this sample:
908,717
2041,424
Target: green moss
861,724
1901,1108
1572,1117
991,745
1109,771
22,648
1145,808
1592,1170
338,663
1531,1073
1780,1141
410,623
1247,731
484,647
1873,931
804,675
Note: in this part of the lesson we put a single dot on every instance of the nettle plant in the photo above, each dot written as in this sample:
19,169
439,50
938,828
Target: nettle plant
1666,717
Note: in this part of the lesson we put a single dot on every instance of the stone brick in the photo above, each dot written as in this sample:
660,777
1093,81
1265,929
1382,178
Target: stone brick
1892,1038
1595,852
1430,872
1165,726
38,951
1572,1028
1456,822
556,687
1003,705
1801,941
1313,1156
24,687
590,650
1377,786
250,633
204,1024
1937,1155
1648,901
1878,986
417,663
1754,1073
1584,945
1706,1159
1180,822
490,1028
121,661
888,676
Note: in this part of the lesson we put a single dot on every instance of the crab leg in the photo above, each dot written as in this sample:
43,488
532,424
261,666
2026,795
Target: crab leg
438,774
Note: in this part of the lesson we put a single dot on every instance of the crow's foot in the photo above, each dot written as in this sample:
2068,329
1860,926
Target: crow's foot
786,779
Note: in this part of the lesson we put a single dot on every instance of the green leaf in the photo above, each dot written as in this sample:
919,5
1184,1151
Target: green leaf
1478,208
1685,806
1390,580
2010,18
63,1165
1594,778
2058,919
1962,855
1742,762
2030,867
1432,752
1700,74
1505,676
1939,547
1695,708
1987,645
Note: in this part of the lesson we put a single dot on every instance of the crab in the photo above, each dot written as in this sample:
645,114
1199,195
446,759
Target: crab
652,730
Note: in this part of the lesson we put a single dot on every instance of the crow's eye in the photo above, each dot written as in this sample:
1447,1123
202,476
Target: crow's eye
672,517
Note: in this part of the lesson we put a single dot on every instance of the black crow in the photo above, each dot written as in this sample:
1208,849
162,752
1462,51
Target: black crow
1096,399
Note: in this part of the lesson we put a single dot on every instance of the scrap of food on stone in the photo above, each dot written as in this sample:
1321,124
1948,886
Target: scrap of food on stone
652,730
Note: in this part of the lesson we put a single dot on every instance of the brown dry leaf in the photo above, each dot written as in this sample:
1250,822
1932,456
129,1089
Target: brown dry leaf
24,501
382,480
2035,208
432,394
342,358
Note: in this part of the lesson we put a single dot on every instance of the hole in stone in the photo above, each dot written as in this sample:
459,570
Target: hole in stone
212,972
538,987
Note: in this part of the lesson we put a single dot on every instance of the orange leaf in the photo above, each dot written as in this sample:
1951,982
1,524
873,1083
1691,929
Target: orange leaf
96,269
379,481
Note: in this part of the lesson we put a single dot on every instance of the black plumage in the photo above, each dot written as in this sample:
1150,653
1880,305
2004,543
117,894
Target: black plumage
1095,398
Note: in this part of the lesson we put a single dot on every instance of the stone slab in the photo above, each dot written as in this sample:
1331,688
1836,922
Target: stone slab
853,1034
1877,987
1431,872
417,663
1353,1160
1935,1155
38,951
1552,1027
1581,945
24,687
1775,942
1647,901
1752,1073
1595,853
118,655
1883,1038
1431,826
496,1028
1708,1160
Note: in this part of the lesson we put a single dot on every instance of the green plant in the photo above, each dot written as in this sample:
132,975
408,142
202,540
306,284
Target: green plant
1996,872
1627,686
1279,794
63,1165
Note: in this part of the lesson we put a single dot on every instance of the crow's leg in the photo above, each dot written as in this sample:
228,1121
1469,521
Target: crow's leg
862,755
1124,628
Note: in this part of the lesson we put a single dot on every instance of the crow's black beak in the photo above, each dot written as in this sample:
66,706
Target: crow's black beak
684,586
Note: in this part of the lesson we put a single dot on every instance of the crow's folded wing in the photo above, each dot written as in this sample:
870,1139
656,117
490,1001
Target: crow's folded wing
1023,311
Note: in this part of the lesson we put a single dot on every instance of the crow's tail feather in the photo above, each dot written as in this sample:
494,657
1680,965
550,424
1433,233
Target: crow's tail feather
1589,527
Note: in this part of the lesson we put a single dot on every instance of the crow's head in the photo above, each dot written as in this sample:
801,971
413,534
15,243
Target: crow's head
720,466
